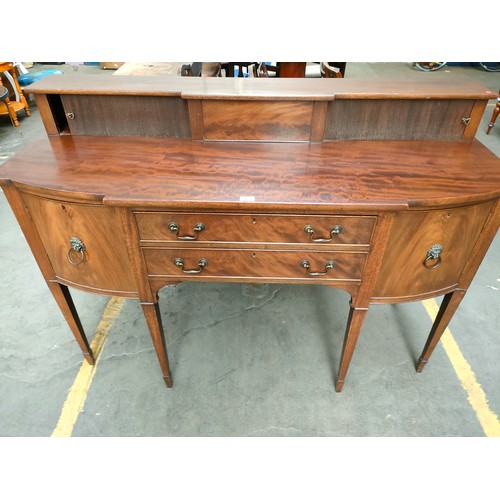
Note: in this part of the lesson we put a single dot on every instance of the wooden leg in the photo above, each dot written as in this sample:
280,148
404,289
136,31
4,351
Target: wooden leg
153,319
496,112
25,104
353,328
65,303
12,112
448,307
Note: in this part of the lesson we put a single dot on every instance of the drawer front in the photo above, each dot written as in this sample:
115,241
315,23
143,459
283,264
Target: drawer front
327,230
212,263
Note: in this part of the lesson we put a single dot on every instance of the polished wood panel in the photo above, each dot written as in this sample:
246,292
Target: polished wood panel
230,264
234,228
106,266
324,178
403,275
257,120
397,119
271,88
145,116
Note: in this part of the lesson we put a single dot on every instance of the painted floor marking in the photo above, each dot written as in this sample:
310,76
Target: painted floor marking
78,393
476,396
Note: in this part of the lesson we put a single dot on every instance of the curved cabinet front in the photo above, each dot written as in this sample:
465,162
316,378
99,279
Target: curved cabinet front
84,243
427,252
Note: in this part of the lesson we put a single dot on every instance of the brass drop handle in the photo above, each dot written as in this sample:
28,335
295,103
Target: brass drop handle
76,248
433,258
307,265
174,227
310,231
201,264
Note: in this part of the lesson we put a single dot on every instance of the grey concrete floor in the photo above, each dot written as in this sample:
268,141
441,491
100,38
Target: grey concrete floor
247,360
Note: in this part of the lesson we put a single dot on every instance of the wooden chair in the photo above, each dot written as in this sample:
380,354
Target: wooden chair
496,112
12,107
328,70
5,101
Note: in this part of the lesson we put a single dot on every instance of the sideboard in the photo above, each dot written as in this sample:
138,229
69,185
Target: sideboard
375,187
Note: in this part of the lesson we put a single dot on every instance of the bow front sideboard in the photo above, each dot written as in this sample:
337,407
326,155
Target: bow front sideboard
375,187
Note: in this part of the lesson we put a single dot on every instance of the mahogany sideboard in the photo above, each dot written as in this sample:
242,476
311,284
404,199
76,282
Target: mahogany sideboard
376,187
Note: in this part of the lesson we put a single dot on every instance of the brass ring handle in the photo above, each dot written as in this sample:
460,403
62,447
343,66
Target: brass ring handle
201,264
433,254
76,246
309,229
174,227
307,265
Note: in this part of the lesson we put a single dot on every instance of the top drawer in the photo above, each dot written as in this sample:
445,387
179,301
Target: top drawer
234,228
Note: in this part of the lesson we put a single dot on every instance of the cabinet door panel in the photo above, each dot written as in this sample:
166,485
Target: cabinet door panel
397,119
404,276
121,115
104,265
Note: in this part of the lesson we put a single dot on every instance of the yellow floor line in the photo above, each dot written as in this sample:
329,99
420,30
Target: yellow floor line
78,393
476,396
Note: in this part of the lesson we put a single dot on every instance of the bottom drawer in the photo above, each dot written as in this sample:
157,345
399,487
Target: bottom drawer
189,263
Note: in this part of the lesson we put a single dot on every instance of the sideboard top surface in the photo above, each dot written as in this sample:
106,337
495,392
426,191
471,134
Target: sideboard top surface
185,174
265,88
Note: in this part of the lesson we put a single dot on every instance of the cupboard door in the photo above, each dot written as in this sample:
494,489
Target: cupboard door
122,115
84,243
427,251
397,119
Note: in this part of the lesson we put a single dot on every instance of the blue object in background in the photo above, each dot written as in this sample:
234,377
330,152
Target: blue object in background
29,78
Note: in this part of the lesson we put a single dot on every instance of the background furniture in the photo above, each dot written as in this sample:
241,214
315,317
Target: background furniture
4,100
366,186
327,70
12,107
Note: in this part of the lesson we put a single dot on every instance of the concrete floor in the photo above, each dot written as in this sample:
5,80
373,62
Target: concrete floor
247,360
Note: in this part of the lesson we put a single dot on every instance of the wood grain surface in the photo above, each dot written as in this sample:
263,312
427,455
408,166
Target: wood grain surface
376,119
253,88
403,275
265,177
237,228
231,264
123,115
106,263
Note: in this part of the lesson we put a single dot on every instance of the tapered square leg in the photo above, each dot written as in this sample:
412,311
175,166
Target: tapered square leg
65,302
449,305
353,328
153,319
